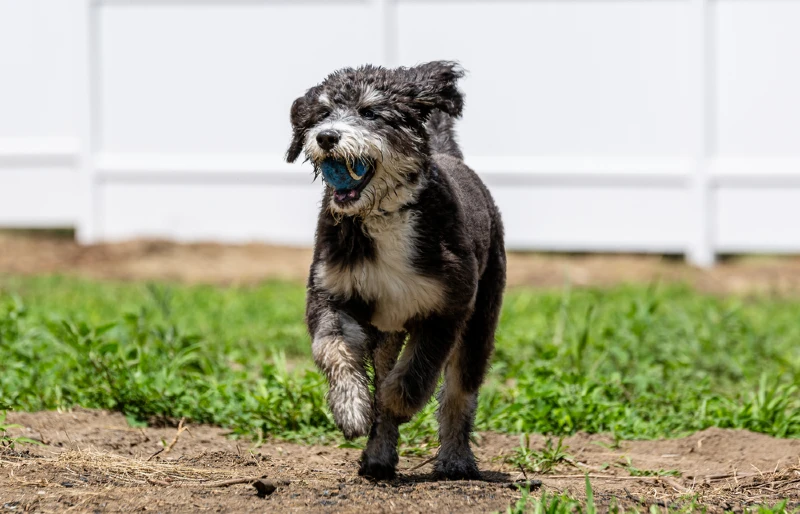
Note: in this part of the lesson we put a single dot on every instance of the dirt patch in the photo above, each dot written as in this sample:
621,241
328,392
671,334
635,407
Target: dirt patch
32,253
94,462
147,260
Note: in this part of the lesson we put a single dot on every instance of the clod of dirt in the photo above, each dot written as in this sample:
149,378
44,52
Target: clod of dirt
264,488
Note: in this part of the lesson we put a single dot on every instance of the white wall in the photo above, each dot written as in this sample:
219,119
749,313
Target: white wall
621,125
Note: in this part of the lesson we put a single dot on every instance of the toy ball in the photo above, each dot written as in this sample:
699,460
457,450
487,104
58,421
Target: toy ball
343,174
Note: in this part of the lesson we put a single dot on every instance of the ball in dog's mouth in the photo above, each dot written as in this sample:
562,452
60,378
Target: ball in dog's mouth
347,177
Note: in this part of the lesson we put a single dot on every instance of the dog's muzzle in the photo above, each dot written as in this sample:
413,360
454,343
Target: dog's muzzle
348,177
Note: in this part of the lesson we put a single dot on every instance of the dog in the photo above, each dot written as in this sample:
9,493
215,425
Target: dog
409,255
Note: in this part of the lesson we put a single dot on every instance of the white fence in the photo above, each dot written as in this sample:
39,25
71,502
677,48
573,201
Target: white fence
600,125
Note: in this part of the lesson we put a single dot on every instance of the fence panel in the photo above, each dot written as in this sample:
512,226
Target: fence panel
610,125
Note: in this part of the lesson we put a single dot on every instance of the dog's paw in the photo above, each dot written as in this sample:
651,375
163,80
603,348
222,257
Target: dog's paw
351,406
353,420
352,432
462,468
375,469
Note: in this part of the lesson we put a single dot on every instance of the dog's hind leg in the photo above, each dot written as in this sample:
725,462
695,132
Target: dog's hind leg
379,459
411,383
465,371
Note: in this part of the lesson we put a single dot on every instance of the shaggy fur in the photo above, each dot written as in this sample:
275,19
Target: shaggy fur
410,259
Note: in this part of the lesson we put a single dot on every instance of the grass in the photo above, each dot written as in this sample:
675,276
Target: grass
636,362
539,461
7,441
636,472
566,504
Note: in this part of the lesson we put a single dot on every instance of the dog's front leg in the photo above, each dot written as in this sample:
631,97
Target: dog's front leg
379,459
412,381
340,350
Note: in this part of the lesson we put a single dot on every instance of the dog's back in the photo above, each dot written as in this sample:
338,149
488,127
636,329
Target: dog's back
482,220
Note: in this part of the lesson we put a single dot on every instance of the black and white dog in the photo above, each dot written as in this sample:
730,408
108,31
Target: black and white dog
409,247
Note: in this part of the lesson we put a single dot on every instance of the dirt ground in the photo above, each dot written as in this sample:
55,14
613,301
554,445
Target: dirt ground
94,462
48,252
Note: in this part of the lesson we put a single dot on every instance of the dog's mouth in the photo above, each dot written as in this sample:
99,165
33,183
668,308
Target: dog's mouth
347,177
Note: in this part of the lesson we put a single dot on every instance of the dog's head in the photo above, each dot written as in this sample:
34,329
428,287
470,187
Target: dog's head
364,130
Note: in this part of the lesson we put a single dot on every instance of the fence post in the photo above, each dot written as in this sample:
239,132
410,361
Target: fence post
700,251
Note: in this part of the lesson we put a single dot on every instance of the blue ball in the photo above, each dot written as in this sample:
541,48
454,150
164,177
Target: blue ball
343,175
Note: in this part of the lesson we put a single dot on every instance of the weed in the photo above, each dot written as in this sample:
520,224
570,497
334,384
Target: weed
539,461
546,504
6,441
780,508
636,472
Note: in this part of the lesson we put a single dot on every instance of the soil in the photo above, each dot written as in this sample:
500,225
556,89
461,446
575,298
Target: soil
93,461
49,252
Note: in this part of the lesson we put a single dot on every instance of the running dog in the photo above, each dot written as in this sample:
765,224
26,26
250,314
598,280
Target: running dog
409,255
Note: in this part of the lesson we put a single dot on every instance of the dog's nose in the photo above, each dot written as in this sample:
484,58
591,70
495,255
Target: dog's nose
327,139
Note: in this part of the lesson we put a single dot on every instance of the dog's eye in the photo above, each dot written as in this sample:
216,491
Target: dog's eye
324,114
367,113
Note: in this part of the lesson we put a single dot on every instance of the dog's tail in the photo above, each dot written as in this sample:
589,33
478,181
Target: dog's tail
442,134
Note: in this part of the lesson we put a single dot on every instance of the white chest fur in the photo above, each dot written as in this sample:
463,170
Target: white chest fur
397,292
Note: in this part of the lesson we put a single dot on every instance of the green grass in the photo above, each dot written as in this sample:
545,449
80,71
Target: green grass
636,472
7,441
637,362
257,319
565,504
539,461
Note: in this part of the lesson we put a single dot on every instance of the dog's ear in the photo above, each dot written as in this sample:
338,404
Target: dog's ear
300,117
436,87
